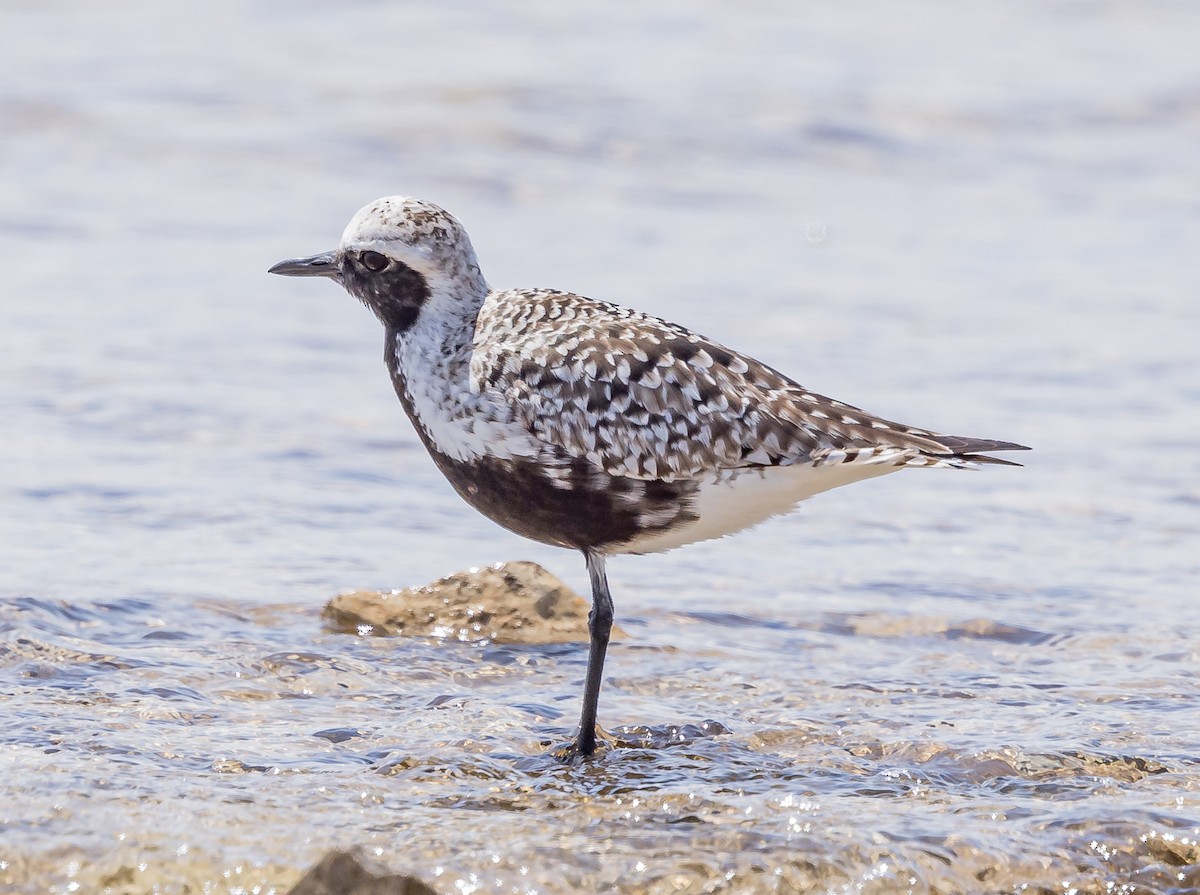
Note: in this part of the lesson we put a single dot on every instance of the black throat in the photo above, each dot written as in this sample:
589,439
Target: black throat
395,295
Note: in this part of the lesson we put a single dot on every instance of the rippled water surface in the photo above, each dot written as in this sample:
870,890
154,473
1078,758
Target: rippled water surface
981,218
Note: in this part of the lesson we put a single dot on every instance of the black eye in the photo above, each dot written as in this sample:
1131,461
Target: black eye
373,261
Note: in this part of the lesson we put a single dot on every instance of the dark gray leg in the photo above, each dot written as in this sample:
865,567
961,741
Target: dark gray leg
600,621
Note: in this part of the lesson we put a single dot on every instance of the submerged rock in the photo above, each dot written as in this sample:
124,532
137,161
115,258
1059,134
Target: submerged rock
346,873
511,602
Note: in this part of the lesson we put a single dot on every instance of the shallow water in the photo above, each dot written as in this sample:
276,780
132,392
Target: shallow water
979,218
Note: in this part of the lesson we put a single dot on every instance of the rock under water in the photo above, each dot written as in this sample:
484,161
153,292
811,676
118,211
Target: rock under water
346,873
510,602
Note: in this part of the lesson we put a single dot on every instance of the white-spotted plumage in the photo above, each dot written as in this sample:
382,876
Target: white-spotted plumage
585,424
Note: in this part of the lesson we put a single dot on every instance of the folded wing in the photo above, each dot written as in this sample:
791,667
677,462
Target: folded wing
641,398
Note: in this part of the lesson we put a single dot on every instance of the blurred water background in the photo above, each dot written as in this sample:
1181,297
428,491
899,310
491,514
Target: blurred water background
977,217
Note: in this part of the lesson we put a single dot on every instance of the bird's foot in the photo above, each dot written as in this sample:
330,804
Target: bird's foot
584,748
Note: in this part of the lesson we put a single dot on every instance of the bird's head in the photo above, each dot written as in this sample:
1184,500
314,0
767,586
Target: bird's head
397,256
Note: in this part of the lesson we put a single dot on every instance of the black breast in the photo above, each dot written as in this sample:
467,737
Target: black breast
586,508
574,505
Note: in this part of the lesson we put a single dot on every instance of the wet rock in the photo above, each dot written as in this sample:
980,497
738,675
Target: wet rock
346,873
512,602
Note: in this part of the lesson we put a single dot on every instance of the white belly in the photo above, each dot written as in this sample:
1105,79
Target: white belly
731,504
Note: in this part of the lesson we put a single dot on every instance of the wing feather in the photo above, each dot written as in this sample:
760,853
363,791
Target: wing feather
643,398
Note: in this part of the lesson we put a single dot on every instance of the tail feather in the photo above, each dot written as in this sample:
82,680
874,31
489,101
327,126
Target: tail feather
984,458
957,444
974,450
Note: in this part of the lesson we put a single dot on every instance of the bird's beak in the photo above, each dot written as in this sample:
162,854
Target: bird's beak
323,265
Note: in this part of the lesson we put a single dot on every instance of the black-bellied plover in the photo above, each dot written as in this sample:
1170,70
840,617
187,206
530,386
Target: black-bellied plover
587,425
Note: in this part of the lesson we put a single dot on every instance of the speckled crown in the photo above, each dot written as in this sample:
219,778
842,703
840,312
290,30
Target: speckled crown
422,235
